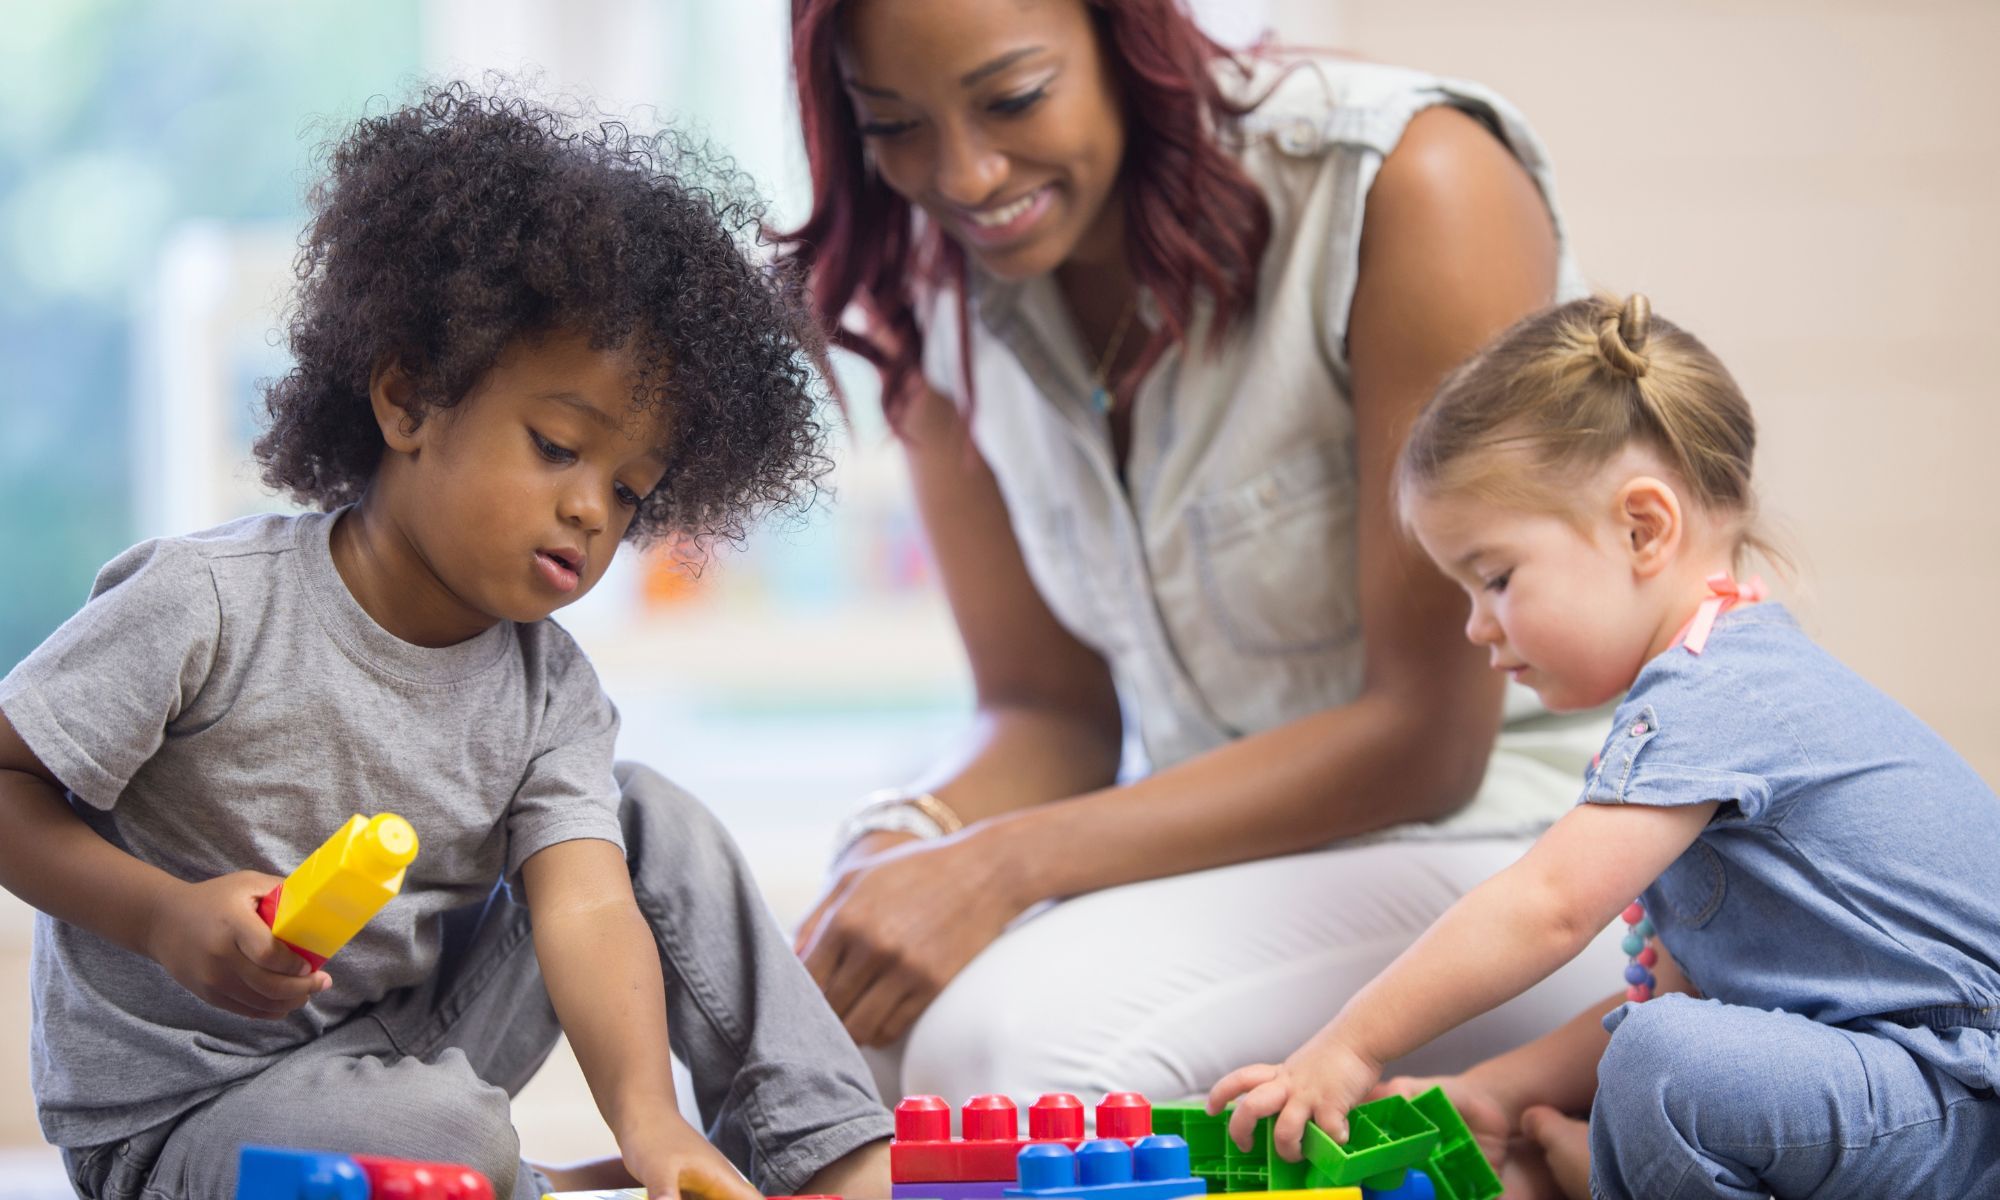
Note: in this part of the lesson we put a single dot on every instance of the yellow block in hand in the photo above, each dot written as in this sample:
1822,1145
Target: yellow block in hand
344,884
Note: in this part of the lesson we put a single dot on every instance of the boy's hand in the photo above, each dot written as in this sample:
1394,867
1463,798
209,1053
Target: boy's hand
210,939
675,1162
1319,1082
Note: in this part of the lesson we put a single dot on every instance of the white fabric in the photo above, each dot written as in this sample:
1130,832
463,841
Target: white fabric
1162,987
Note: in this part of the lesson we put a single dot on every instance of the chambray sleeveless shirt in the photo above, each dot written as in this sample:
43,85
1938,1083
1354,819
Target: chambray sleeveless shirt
1219,581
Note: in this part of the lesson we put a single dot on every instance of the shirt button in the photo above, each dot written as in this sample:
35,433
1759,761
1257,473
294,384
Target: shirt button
1300,135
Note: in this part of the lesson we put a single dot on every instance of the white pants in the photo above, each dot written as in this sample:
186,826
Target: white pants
1164,986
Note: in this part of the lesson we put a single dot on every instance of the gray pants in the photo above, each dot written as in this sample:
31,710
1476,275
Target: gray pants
428,1072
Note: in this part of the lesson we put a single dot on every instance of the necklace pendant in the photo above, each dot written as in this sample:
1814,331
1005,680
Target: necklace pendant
1100,400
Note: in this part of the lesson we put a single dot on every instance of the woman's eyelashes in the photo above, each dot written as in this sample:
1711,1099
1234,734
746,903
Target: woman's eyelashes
1006,106
1021,102
886,129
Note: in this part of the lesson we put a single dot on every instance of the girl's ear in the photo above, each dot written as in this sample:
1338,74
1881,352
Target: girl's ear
1649,516
390,394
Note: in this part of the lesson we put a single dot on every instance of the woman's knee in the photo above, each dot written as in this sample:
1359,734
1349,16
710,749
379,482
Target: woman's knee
967,1045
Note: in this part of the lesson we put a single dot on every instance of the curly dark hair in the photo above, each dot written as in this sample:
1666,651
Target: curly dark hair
445,230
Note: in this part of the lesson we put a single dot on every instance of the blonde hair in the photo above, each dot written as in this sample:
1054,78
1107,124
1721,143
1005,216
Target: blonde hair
1567,390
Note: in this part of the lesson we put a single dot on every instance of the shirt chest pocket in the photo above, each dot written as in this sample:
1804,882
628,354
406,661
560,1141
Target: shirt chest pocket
1275,556
1690,891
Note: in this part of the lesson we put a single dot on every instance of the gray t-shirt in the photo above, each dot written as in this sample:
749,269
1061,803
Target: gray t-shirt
223,703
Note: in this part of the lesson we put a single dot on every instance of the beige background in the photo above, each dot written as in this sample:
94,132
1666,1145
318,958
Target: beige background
1809,186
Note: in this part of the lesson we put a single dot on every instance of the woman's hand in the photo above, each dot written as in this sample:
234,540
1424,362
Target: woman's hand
1320,1082
674,1162
898,924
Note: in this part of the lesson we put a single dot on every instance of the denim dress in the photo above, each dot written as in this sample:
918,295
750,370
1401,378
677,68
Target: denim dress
1843,903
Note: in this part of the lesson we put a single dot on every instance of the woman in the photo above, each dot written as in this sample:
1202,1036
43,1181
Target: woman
1151,323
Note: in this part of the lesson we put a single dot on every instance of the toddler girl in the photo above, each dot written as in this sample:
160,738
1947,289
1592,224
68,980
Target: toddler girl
1813,1005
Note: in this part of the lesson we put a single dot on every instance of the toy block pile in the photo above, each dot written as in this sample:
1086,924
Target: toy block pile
926,1161
1397,1149
269,1173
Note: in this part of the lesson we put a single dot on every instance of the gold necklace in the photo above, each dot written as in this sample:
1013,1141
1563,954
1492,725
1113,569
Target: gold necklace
1100,393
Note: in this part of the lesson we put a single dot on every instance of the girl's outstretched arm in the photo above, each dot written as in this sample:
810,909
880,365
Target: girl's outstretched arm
1502,938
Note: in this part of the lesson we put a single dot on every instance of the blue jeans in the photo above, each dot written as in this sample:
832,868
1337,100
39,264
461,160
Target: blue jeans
1696,1098
428,1072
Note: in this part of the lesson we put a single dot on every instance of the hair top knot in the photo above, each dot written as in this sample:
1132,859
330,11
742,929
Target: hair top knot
1622,336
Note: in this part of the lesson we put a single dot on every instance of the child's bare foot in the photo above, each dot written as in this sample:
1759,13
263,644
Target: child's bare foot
590,1175
863,1171
1565,1145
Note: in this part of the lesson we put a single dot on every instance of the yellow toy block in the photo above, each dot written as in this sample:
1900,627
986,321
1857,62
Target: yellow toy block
343,884
1339,1193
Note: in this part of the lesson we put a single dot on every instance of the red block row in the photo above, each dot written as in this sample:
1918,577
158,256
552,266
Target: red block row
925,1152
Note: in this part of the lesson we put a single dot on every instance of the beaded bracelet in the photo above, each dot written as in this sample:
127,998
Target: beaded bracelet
1639,977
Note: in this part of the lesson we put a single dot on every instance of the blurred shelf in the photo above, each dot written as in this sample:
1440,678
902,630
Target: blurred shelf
895,652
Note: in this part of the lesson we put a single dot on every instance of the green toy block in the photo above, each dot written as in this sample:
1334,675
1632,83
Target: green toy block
1282,1176
1206,1136
1458,1168
1462,1173
1384,1138
1253,1159
1316,1179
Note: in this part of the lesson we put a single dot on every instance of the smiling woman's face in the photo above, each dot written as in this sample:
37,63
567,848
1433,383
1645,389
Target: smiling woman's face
998,118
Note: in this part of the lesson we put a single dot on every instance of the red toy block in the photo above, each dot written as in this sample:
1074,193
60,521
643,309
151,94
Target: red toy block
925,1152
986,1152
1124,1115
267,908
400,1179
1056,1117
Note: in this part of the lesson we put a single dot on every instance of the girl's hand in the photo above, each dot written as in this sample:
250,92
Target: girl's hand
1319,1082
672,1160
1485,1111
897,926
209,937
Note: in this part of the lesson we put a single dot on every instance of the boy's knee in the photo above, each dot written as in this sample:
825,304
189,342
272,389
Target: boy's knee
440,1111
649,800
457,1117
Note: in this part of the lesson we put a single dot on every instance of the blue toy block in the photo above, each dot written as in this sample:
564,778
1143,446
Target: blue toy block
1107,1169
267,1173
1415,1186
983,1190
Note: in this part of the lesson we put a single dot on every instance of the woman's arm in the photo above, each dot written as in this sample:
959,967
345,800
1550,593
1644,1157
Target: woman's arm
1456,246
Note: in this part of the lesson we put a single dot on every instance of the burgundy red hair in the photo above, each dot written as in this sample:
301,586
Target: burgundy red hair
1194,221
